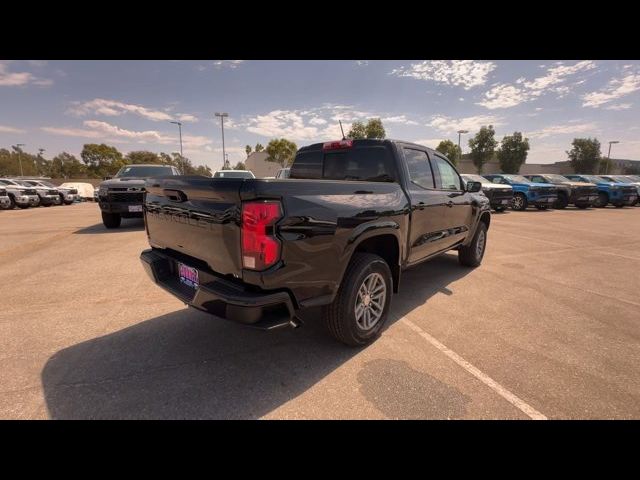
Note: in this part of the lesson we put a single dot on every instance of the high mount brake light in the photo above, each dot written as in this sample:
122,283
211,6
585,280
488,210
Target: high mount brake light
260,247
338,145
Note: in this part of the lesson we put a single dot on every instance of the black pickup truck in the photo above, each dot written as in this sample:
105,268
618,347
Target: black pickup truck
337,233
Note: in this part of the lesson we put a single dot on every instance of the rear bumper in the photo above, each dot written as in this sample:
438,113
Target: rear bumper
221,297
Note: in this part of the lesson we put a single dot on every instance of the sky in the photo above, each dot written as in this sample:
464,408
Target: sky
61,105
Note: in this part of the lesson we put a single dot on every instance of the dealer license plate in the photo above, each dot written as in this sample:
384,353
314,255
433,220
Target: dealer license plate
188,275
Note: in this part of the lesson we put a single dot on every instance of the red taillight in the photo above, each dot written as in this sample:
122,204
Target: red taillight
337,145
260,247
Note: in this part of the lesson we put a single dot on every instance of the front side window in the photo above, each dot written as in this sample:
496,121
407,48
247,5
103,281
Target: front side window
419,168
449,178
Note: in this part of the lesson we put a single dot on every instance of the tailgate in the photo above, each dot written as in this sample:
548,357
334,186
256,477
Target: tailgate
196,216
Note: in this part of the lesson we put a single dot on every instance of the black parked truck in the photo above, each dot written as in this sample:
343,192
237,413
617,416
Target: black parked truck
123,195
338,233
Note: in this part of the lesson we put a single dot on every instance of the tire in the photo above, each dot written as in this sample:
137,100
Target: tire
12,205
619,205
541,207
111,220
603,200
582,206
340,316
68,203
519,202
562,202
471,256
46,204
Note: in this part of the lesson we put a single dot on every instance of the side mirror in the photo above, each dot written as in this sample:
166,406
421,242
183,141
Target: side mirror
473,187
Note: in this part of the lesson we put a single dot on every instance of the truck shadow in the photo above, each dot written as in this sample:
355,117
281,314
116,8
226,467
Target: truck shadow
128,225
187,364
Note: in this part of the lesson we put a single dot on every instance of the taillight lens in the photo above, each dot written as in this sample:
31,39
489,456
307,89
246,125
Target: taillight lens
337,145
260,247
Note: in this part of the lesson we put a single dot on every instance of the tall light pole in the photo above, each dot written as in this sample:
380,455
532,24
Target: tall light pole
609,155
19,150
180,133
224,157
460,132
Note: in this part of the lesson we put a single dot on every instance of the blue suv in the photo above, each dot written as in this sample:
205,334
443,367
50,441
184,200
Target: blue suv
526,192
616,194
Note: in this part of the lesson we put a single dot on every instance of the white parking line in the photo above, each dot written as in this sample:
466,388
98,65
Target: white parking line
488,381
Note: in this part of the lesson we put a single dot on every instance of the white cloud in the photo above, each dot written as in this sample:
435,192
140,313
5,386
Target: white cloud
451,125
6,129
616,88
399,119
317,121
18,79
563,130
509,95
619,106
464,73
113,108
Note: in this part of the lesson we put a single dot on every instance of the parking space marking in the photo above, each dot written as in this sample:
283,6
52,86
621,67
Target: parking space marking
484,378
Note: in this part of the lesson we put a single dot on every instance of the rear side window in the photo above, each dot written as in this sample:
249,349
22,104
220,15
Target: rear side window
371,164
449,178
419,168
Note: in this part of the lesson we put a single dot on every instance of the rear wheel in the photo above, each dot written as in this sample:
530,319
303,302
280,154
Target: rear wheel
12,203
603,200
471,255
519,202
111,220
360,308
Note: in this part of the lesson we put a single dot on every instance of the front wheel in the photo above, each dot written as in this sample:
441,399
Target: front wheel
471,255
519,202
360,308
602,201
111,220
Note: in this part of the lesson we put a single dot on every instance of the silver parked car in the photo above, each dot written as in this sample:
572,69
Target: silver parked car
48,196
19,195
67,195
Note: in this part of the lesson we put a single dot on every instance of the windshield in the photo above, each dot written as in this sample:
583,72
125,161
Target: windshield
517,179
233,174
619,178
557,178
634,178
4,181
473,178
144,171
593,179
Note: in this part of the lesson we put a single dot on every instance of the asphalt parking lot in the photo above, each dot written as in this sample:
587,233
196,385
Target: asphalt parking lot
547,327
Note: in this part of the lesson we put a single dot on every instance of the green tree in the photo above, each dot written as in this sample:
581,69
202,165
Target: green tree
585,155
248,150
483,146
375,129
281,151
357,131
259,147
101,160
203,170
513,152
143,156
450,150
240,166
65,165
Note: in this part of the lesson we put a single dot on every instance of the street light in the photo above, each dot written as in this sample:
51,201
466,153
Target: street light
17,147
180,133
609,155
224,157
460,132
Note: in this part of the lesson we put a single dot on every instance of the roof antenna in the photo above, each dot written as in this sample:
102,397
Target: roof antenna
340,122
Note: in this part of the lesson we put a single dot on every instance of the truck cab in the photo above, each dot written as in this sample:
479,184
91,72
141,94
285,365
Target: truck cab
617,194
525,192
570,192
123,195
